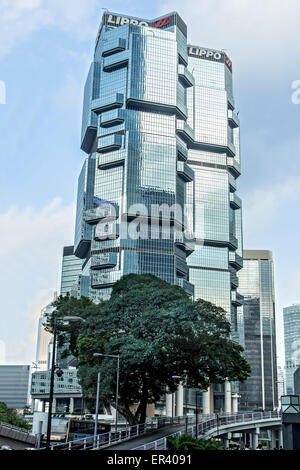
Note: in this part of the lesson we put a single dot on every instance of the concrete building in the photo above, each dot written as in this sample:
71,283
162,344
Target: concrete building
297,382
67,391
256,284
14,385
44,338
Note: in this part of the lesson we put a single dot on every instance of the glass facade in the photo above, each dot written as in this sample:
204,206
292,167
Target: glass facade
159,125
291,322
71,269
14,386
256,283
162,140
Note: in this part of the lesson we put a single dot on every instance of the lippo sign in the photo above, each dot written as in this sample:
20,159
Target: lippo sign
209,54
113,20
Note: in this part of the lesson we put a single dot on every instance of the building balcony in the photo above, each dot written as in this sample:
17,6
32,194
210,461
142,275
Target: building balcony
112,118
106,231
116,61
232,182
235,260
181,148
183,242
181,266
235,201
105,210
104,260
231,149
185,172
234,166
111,159
113,101
102,280
233,241
184,131
113,47
236,298
233,119
186,285
110,143
185,76
234,280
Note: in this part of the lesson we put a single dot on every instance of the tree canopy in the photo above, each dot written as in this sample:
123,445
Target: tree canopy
158,332
10,416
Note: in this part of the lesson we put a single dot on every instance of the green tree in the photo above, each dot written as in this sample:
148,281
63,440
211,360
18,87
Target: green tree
11,417
187,443
159,332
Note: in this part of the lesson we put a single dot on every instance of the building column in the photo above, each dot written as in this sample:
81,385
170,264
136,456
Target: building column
227,393
54,405
226,439
179,401
33,405
206,402
71,407
280,438
43,406
235,403
255,439
273,439
169,404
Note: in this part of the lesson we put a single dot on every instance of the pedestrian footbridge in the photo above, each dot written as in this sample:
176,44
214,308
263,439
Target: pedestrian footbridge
223,427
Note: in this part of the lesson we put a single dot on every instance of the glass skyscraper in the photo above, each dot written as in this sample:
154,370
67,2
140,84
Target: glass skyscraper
157,191
291,322
71,270
256,283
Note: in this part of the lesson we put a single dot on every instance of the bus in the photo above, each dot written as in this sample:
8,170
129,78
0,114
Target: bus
79,429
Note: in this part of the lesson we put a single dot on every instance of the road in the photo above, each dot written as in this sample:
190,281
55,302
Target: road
16,445
139,441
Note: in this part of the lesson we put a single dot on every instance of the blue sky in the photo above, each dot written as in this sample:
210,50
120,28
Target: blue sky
45,50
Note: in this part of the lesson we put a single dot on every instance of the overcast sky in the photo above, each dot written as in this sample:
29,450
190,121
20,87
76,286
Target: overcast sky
45,50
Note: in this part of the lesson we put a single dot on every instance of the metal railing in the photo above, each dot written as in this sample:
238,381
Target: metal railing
131,432
207,424
15,428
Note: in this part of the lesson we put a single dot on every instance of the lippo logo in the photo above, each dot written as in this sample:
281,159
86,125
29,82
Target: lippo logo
209,54
121,20
162,23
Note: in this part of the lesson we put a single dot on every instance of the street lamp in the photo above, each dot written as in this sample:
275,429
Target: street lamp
197,394
53,367
174,377
115,356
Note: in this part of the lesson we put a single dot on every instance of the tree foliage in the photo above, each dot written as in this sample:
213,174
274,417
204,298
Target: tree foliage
159,332
11,417
186,443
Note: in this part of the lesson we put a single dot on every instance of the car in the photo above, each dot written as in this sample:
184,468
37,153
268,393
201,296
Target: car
5,448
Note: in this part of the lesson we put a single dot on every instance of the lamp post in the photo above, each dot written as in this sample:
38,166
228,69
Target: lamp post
53,367
97,408
197,394
115,356
174,377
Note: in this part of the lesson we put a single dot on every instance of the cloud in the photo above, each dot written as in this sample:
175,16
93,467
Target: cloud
31,248
20,18
260,36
